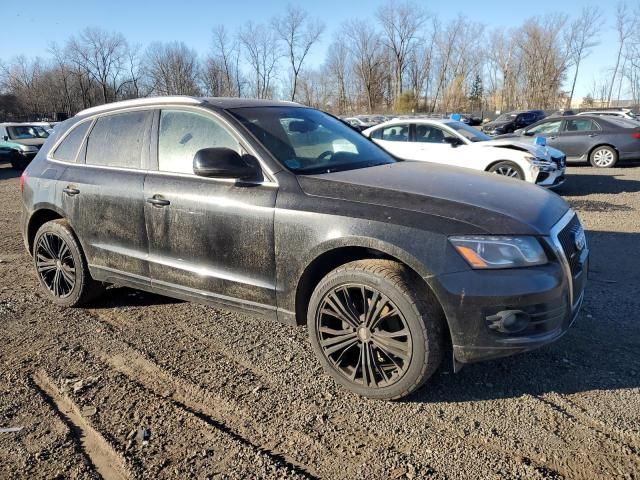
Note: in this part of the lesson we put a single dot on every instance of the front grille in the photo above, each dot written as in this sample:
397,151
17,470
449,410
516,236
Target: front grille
573,254
561,162
567,240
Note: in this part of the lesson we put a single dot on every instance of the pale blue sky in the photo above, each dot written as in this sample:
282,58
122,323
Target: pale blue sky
31,26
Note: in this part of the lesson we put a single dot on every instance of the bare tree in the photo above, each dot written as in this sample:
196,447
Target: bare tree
581,39
172,68
263,53
226,55
401,24
299,33
366,49
624,28
338,68
102,55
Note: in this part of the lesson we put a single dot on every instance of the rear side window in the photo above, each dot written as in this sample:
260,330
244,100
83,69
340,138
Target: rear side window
67,151
116,140
580,125
183,133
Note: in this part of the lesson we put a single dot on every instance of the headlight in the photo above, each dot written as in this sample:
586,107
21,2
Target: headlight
543,165
485,252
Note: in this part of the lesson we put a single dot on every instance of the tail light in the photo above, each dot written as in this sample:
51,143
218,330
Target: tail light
23,177
636,135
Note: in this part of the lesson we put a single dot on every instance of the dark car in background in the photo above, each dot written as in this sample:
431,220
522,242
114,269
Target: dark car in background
512,121
283,211
600,140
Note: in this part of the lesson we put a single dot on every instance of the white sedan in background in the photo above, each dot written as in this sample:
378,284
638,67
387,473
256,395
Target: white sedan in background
454,143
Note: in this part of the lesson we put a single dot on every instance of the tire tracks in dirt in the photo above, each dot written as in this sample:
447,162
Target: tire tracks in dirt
98,451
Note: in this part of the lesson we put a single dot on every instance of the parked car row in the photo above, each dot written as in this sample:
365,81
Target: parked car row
599,139
455,143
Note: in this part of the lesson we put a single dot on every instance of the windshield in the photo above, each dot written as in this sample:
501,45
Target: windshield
307,141
468,132
25,132
507,117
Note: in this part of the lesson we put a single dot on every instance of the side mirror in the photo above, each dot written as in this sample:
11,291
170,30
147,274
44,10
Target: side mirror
222,163
453,141
5,138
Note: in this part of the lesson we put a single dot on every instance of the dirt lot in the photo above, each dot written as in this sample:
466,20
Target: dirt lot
141,386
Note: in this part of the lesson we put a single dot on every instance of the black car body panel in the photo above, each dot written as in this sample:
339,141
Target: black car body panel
252,245
518,120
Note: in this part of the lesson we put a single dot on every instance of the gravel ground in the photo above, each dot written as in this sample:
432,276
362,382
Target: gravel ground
142,386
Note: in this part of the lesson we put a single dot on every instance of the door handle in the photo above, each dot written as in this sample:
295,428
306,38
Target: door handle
71,191
593,135
553,138
158,201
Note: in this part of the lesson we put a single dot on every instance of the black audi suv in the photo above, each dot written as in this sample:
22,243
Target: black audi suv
284,211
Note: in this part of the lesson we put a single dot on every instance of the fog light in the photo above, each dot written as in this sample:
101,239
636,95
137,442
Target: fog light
508,321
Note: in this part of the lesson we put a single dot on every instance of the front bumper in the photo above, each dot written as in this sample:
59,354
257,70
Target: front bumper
548,297
552,179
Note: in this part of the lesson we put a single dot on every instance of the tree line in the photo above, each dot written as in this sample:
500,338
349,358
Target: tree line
406,60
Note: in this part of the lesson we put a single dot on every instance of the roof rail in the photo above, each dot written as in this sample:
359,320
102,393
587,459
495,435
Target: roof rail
141,102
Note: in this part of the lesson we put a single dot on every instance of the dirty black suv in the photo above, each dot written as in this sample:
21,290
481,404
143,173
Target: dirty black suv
283,211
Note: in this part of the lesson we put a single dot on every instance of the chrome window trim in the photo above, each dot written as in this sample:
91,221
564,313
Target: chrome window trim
170,106
554,241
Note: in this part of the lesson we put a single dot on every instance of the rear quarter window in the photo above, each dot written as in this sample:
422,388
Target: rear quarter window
116,140
67,151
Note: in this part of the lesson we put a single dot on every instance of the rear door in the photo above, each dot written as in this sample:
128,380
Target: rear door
102,192
577,137
208,237
396,140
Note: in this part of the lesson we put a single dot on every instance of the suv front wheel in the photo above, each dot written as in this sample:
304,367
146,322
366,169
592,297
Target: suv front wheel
61,266
372,329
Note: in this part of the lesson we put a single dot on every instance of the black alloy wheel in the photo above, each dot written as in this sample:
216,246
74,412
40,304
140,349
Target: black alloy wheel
364,335
55,265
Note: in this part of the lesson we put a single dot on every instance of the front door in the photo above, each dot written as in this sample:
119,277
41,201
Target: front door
577,136
102,193
550,130
207,237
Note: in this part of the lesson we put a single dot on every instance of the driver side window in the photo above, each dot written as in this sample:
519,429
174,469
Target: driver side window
183,133
547,127
431,134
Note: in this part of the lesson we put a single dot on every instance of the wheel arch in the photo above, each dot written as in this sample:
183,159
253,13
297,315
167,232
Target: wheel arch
38,218
331,258
604,144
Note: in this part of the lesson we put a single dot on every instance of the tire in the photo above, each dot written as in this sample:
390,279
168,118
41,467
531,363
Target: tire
61,266
507,169
18,163
603,157
417,328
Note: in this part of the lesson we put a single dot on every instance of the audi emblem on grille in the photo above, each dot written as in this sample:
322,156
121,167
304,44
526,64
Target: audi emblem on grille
579,239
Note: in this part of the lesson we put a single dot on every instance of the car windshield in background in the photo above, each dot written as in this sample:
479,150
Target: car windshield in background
25,132
507,117
468,132
308,142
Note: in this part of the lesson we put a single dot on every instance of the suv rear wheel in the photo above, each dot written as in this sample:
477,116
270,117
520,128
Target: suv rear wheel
61,266
372,331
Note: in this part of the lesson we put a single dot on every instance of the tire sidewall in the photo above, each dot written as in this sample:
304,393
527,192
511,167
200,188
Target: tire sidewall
611,165
63,231
412,317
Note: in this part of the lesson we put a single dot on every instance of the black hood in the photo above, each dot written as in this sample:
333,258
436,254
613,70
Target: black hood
486,202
